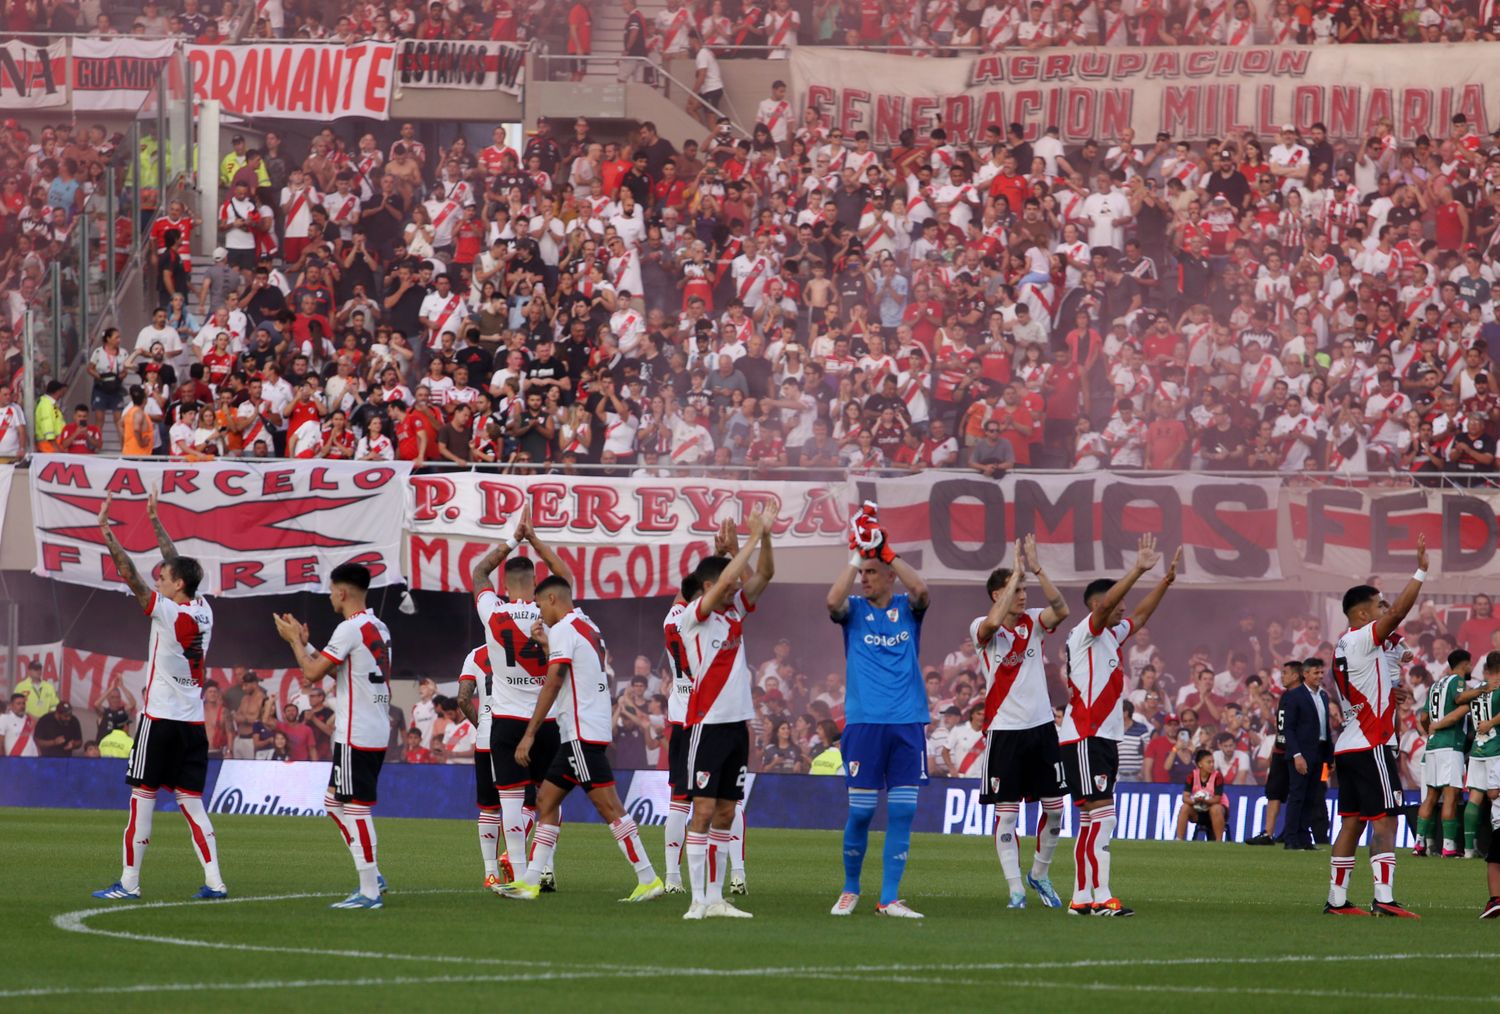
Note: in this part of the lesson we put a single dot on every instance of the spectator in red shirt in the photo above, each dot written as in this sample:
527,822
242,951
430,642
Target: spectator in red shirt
414,434
924,315
1166,439
415,752
78,437
1010,185
1156,764
1475,632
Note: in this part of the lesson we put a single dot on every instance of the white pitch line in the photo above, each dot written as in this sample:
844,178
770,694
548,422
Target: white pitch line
1020,966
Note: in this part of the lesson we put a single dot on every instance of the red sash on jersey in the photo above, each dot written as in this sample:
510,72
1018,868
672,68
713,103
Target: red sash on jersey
297,205
1116,22
998,28
751,18
680,450
726,258
1261,373
443,213
447,312
749,282
5,422
1239,36
776,115
783,28
23,740
1423,295
624,266
1091,447
675,29
973,754
1291,438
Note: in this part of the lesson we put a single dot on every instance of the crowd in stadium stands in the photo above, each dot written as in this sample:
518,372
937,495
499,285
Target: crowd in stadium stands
1223,697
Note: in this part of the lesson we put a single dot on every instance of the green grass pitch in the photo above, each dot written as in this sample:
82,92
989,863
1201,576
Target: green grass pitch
1219,927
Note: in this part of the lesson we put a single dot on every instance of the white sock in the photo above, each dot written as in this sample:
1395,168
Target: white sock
542,847
718,856
1007,816
1383,872
489,840
737,839
362,846
697,858
137,836
514,822
1083,890
677,819
1104,824
205,844
1339,869
529,812
1048,831
628,836
335,811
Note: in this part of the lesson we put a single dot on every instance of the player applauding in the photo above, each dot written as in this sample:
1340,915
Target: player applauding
884,743
171,747
1021,756
358,656
1094,722
1364,755
578,684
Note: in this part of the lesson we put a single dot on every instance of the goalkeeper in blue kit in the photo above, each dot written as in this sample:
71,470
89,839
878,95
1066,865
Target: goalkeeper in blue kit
884,743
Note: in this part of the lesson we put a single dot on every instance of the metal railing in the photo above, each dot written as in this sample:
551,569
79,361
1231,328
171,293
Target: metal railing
644,70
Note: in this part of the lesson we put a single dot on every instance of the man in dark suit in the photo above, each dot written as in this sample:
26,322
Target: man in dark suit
1309,740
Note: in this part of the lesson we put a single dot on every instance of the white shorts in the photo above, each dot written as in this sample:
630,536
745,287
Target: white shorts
1484,773
1443,767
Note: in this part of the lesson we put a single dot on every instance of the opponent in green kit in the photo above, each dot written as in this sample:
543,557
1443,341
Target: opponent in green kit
1484,758
1443,758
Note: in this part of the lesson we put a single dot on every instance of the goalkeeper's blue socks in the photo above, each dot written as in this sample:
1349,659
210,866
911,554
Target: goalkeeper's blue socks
857,834
901,811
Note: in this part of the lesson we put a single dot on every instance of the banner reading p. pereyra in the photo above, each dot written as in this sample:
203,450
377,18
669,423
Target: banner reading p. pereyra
313,80
32,76
258,529
118,73
480,66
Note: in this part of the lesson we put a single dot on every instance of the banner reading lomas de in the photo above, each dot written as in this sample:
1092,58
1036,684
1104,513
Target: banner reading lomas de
258,529
1192,93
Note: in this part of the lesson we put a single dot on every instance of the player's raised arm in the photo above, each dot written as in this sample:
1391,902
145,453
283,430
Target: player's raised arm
1000,608
916,588
1387,622
1057,606
294,633
546,553
765,567
163,540
123,564
838,594
479,580
1148,604
716,594
1145,558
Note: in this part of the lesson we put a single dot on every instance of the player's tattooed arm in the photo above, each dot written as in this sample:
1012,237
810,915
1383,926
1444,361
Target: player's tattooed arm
1148,604
466,700
1057,606
163,540
765,564
556,673
479,580
123,564
294,633
1388,621
1145,558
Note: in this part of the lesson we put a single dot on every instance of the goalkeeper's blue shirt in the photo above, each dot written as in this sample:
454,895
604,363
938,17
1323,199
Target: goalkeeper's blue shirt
884,681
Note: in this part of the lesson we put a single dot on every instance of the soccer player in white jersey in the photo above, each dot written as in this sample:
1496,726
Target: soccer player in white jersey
1370,689
720,708
476,685
171,747
578,685
1094,722
358,657
520,666
1021,756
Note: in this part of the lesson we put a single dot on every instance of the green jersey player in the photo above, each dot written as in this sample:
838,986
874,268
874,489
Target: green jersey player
1442,718
1484,757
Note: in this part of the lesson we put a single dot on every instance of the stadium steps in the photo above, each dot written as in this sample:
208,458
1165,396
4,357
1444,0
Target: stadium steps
609,37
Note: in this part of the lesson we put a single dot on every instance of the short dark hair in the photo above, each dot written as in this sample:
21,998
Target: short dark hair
521,566
355,575
691,587
1098,586
1358,596
1292,665
187,570
1492,662
1458,658
1200,754
552,583
1314,663
710,568
997,580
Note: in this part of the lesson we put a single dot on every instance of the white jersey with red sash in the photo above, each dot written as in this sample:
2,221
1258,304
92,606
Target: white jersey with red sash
1015,673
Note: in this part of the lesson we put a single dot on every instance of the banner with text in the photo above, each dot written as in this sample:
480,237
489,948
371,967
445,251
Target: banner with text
1192,93
304,80
258,529
33,77
478,66
117,74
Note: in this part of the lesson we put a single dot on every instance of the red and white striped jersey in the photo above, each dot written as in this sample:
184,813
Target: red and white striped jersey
476,670
682,676
1015,673
361,650
716,656
1364,675
584,706
519,663
1096,682
174,672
